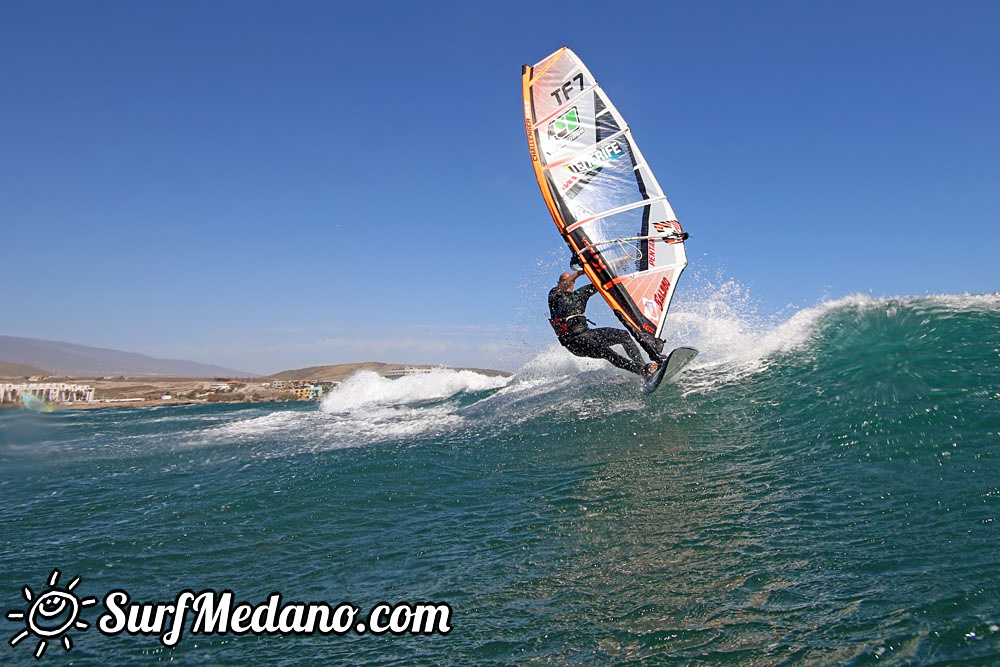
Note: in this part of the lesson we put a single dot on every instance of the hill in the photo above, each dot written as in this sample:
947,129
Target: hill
10,369
339,372
72,360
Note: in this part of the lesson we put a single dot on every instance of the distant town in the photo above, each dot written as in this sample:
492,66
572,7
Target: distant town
151,391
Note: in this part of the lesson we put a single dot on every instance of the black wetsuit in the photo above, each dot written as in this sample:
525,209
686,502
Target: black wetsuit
566,310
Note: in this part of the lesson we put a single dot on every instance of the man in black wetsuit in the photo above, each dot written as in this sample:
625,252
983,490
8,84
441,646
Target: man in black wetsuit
566,308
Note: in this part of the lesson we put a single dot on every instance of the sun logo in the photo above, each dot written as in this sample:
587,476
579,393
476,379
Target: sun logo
51,614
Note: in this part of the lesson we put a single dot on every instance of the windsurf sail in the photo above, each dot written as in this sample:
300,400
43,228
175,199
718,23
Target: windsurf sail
602,195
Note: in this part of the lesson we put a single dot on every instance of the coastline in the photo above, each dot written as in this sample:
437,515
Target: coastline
300,385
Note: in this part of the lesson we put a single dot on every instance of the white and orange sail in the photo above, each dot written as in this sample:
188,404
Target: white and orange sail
602,195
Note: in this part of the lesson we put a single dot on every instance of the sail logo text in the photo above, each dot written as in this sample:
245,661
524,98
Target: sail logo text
563,92
596,159
661,292
531,134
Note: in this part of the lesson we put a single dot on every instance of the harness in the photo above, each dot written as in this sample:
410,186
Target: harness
561,324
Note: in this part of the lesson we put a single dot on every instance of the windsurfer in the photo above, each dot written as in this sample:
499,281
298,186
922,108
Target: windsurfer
566,308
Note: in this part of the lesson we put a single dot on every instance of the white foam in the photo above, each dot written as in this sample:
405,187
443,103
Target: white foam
310,431
365,409
952,302
556,381
251,427
554,362
367,389
734,341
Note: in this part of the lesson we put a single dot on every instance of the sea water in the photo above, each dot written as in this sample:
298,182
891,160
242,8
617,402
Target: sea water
824,490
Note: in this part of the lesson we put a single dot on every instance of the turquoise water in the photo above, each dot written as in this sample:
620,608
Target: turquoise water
822,491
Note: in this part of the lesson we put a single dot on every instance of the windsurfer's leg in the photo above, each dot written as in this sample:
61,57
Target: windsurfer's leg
589,344
611,336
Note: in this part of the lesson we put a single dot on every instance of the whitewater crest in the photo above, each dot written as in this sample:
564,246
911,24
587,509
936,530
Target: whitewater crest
736,343
721,320
367,389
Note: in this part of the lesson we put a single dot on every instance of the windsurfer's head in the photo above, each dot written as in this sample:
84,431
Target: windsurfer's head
566,281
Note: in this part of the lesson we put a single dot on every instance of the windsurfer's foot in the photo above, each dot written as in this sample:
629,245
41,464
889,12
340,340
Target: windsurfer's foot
650,368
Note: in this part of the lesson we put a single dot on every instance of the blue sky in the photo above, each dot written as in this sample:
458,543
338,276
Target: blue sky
270,185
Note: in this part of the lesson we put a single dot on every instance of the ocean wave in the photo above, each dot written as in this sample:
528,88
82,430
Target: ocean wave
921,353
368,389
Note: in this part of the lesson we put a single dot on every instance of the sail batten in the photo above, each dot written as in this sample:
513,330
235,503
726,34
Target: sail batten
602,194
613,211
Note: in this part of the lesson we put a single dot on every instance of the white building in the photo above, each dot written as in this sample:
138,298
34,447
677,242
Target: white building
403,372
53,392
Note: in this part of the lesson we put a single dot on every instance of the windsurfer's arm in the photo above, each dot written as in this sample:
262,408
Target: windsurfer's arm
587,290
